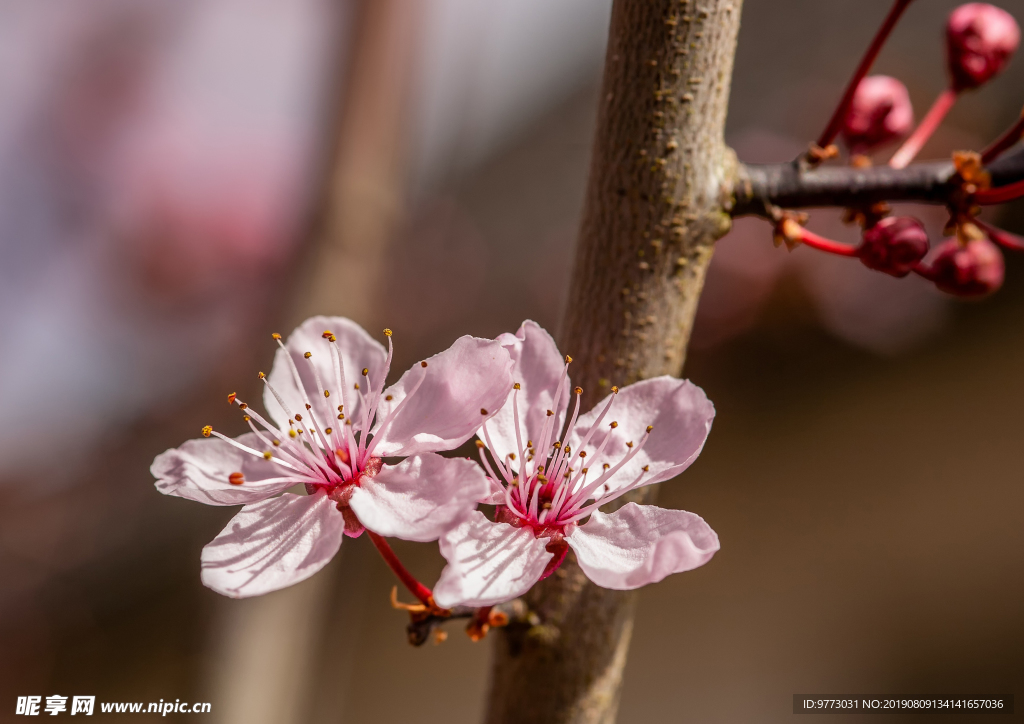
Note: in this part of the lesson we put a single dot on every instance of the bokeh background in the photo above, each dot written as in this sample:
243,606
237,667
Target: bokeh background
180,179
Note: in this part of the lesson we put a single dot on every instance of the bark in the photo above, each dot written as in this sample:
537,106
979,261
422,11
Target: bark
653,210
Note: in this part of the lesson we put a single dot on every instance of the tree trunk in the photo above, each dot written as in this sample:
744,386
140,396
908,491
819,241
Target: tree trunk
654,207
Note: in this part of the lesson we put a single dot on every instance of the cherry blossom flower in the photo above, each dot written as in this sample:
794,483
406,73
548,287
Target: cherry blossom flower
331,425
545,484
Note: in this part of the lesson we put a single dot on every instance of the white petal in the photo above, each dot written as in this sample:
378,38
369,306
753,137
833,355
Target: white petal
641,544
488,563
273,544
681,415
472,375
358,351
537,366
420,498
199,470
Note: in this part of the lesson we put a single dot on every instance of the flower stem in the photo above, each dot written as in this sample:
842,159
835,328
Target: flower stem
839,115
1000,194
925,129
424,594
1003,238
1012,135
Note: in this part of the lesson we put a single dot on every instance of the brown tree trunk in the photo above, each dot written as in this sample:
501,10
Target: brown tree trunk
654,207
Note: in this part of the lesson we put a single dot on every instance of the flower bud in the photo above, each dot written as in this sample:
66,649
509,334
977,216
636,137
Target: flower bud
974,269
894,245
980,38
880,112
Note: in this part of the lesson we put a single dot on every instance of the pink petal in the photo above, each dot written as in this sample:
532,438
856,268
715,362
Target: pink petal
199,470
472,375
537,366
488,563
358,351
273,544
420,498
641,544
681,415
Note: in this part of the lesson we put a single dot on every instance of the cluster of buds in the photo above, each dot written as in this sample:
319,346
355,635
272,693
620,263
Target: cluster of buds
875,111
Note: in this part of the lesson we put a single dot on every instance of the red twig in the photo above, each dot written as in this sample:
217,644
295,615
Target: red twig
424,594
1012,135
924,130
836,122
794,232
1000,194
1003,238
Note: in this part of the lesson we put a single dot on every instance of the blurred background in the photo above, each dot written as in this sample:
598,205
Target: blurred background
180,179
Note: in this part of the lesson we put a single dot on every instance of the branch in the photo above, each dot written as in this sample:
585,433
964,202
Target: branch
758,188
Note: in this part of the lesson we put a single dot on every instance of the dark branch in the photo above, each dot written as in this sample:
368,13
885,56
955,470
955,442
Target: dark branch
792,185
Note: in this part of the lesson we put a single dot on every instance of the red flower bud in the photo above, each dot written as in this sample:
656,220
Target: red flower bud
879,112
894,245
980,38
974,269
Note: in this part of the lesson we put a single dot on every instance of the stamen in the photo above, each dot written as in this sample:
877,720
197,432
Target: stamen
231,398
207,429
236,478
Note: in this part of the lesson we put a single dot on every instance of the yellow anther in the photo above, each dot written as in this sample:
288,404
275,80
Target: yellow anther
275,335
605,466
389,398
298,417
647,468
309,407
613,425
332,338
483,411
327,393
550,413
387,332
356,385
231,398
291,433
480,444
207,430
568,359
307,355
542,478
246,418
585,470
547,506
341,408
365,371
267,454
629,444
243,406
262,376
529,443
512,456
341,416
516,386
277,443
578,390
650,427
329,430
327,334
557,445
515,482
583,453
615,390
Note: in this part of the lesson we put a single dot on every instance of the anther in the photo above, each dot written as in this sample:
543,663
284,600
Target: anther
231,398
329,430
615,390
309,407
512,456
387,332
275,335
566,475
236,478
243,406
568,450
365,371
267,454
646,468
568,359
557,445
515,482
650,427
389,398
327,334
307,355
207,430
341,408
341,416
585,470
423,364
483,411
578,390
629,444
277,443
356,385
529,443
605,466
613,425
262,376
327,393
550,413
547,506
298,417
246,418
480,444
291,433
583,453
516,386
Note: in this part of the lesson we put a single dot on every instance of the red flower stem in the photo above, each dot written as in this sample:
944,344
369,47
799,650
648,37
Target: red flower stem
1012,135
925,129
1003,238
822,244
836,122
1001,194
424,594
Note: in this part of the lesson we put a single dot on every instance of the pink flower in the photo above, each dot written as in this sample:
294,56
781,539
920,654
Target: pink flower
895,245
545,484
980,38
974,269
331,423
879,113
